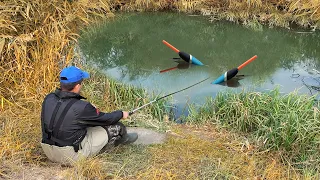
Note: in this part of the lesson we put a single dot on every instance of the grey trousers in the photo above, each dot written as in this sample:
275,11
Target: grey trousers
97,139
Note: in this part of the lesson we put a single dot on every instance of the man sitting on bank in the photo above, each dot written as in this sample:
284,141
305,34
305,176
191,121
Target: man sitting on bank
65,137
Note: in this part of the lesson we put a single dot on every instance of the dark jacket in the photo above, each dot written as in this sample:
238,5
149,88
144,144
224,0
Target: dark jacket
71,131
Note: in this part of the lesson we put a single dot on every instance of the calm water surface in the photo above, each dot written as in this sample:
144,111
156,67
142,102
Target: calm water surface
130,49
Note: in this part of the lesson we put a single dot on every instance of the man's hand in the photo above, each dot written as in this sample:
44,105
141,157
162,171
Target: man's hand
125,114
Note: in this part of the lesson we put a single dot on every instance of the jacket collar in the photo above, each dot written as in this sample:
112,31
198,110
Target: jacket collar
66,94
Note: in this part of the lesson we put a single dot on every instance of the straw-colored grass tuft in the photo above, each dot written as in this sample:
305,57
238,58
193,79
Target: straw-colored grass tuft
90,168
39,38
208,153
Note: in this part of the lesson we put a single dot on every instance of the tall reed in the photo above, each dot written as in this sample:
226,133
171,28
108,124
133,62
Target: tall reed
39,37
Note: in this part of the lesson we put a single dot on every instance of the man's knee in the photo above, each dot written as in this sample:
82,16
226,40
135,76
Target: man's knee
95,139
117,129
123,129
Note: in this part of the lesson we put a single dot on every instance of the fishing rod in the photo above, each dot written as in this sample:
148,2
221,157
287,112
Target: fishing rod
157,99
88,122
131,112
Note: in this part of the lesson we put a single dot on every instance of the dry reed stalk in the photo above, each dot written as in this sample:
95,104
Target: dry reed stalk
39,42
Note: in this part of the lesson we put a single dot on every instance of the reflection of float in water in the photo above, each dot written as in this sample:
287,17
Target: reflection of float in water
181,65
234,82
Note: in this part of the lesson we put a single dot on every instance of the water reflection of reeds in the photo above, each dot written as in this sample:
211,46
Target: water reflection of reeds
221,46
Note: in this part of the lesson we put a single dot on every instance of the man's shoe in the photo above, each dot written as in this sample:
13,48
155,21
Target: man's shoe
127,139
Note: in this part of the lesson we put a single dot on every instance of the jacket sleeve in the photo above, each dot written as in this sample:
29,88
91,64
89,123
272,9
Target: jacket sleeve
90,113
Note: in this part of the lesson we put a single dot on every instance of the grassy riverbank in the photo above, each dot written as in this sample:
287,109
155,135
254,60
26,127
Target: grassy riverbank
190,152
251,13
284,123
38,39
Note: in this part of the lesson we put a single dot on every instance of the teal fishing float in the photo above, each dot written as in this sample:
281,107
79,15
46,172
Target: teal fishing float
185,56
233,72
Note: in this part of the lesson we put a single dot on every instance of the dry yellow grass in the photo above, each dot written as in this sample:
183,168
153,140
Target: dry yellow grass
273,12
37,40
91,168
208,153
190,152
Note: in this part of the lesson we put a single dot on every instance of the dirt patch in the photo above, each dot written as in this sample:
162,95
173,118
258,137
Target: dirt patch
51,171
147,136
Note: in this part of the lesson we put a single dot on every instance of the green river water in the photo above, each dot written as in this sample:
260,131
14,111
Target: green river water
129,48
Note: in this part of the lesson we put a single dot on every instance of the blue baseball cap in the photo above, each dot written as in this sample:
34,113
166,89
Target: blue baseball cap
72,74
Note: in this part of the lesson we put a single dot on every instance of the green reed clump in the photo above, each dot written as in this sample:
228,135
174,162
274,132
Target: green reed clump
279,122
